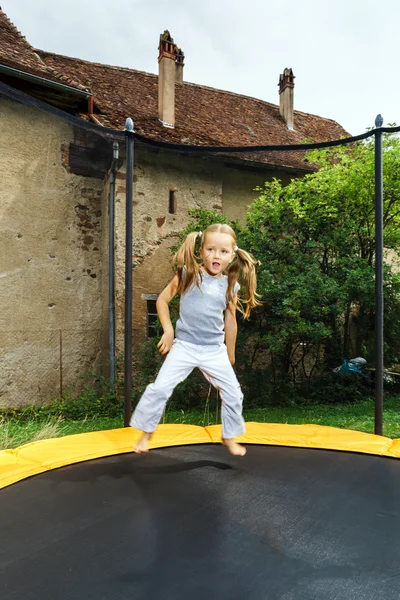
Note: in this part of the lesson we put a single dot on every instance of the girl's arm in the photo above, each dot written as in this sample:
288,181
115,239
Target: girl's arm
165,343
231,329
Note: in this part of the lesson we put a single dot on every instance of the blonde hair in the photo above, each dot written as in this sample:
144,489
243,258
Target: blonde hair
242,267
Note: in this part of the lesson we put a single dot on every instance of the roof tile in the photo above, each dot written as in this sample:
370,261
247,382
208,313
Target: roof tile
204,115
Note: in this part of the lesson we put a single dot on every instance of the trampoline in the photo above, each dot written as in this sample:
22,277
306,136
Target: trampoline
190,521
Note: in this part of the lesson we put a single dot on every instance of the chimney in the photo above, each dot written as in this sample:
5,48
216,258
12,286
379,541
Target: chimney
170,70
180,57
286,93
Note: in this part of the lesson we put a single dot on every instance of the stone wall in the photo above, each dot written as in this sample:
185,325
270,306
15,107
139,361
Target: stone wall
51,260
54,244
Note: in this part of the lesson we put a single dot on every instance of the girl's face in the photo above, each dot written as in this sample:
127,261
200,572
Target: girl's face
217,252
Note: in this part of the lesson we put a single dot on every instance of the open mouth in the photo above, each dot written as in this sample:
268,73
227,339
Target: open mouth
216,265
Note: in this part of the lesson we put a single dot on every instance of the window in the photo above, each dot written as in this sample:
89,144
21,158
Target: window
152,317
151,310
172,202
152,330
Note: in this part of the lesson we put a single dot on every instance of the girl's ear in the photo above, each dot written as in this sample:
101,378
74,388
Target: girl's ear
201,252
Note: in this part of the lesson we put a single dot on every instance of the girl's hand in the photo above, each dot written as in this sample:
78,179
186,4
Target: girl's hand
164,345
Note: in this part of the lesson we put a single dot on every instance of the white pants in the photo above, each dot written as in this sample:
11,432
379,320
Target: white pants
183,357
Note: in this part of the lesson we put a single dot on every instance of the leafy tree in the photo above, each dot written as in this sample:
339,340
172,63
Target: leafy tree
317,246
315,238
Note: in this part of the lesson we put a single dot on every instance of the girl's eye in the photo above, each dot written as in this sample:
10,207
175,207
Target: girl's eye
224,251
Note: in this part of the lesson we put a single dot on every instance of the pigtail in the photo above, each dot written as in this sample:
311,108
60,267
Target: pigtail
186,263
244,268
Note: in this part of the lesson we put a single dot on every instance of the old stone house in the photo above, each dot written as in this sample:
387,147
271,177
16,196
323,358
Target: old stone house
54,194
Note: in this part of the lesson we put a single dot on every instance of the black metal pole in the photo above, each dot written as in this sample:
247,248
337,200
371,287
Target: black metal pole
128,275
378,277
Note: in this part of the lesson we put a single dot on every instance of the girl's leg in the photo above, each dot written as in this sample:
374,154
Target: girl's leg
177,366
217,369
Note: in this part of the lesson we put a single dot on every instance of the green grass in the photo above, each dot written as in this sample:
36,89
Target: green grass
359,416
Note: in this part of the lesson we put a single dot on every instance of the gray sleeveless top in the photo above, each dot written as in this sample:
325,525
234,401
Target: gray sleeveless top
201,315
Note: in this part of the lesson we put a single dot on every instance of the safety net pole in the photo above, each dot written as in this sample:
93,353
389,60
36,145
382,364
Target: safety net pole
128,274
378,277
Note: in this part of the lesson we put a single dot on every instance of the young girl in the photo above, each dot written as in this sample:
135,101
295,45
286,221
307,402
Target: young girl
207,315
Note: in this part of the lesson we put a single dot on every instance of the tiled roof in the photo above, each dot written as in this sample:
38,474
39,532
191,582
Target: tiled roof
204,115
17,53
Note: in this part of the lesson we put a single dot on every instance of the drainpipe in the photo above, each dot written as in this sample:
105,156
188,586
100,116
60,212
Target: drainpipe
91,110
111,264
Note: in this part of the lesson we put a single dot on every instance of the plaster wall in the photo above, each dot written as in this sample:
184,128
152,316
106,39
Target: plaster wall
238,189
51,264
54,248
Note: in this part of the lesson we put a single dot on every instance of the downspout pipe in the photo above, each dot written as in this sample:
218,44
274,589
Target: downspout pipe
111,264
91,111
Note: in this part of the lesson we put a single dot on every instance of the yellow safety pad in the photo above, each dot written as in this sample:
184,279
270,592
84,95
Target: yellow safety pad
38,457
394,449
310,436
45,455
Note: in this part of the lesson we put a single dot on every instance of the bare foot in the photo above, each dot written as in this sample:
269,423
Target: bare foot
234,448
142,445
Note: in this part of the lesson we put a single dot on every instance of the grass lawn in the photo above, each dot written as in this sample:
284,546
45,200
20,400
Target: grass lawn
359,416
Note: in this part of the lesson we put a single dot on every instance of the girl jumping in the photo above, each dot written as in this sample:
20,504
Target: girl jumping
207,316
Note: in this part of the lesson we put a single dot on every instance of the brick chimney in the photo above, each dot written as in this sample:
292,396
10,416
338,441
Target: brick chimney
286,93
170,71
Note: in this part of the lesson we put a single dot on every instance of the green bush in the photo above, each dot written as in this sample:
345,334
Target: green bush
96,400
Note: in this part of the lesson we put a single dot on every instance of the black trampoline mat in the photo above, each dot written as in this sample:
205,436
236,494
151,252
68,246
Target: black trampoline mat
195,523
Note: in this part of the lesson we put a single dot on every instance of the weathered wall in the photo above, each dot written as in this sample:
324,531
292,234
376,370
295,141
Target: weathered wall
54,245
51,265
238,188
